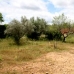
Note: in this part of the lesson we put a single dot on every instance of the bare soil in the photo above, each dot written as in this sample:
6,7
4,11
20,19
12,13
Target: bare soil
50,63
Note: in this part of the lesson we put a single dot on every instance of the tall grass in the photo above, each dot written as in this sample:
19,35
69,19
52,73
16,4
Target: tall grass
11,54
28,50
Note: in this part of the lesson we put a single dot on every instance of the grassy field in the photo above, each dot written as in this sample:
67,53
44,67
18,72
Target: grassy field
11,54
28,50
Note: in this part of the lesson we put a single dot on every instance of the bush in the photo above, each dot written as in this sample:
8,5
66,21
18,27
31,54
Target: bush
57,36
15,30
35,27
50,35
34,35
2,29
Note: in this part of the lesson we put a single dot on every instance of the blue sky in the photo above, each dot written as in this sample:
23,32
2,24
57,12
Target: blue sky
47,9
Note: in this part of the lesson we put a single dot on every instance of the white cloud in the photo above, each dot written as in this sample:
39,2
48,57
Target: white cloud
16,8
67,7
29,4
63,3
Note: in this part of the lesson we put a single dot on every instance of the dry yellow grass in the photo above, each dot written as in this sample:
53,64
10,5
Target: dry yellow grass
12,55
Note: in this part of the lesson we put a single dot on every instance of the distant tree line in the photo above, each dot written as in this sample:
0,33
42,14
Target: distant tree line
33,28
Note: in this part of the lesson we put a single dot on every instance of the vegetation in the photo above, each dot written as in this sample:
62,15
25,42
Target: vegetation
61,22
28,39
33,28
1,18
2,29
16,30
52,33
38,27
29,50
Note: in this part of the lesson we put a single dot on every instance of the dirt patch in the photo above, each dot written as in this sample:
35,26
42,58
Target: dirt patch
51,63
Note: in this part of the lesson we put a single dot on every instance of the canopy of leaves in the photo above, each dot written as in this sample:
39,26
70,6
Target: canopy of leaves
60,22
16,30
38,27
34,27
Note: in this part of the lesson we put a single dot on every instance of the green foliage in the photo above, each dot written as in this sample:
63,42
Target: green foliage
35,27
70,38
52,33
16,30
58,20
61,21
1,18
2,29
29,27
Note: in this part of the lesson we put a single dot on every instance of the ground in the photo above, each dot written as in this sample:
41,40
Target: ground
50,63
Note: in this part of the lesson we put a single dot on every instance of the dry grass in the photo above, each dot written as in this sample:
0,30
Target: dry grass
28,50
11,54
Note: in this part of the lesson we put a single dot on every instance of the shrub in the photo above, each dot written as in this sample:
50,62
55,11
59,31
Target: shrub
15,30
2,29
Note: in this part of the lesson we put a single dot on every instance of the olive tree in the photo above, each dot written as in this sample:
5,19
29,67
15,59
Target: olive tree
33,27
16,30
38,27
61,22
28,26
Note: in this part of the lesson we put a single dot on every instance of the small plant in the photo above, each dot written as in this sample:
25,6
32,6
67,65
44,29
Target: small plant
55,44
